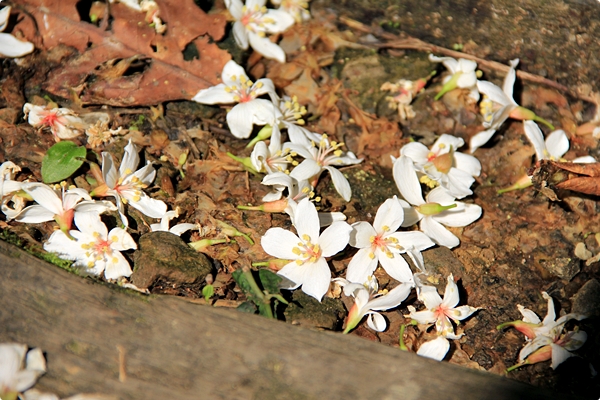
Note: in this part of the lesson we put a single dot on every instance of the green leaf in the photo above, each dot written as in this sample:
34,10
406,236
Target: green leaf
269,280
208,291
61,161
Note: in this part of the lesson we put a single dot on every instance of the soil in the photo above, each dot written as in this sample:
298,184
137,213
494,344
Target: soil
523,244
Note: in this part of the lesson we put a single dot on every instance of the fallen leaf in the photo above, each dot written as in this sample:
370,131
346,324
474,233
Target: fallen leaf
165,74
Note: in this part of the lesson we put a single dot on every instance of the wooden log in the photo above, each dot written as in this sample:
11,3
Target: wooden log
103,339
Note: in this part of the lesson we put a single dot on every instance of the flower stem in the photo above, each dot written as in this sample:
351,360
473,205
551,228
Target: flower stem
247,272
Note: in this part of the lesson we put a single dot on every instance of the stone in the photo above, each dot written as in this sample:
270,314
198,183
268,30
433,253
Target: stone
587,300
165,255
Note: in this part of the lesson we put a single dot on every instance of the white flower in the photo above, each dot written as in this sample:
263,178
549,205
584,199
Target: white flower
273,158
498,105
435,349
62,122
253,22
237,88
441,311
308,249
178,229
10,46
13,378
11,203
291,118
463,75
297,9
381,243
61,209
126,186
367,302
440,208
324,157
452,170
555,145
94,247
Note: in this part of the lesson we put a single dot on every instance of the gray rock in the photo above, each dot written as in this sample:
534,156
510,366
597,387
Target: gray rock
563,267
165,255
587,300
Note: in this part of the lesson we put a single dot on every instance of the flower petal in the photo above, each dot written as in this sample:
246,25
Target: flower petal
376,322
265,47
438,233
121,240
361,235
279,243
361,266
392,299
306,221
44,196
407,181
462,215
334,238
557,143
396,266
34,215
314,277
435,349
340,183
11,47
480,139
390,214
509,80
91,224
416,151
214,95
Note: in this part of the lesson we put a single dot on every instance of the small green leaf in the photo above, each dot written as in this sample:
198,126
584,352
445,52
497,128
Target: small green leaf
208,291
61,161
269,280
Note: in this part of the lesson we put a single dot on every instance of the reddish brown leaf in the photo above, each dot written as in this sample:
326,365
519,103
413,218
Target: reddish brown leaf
587,185
167,75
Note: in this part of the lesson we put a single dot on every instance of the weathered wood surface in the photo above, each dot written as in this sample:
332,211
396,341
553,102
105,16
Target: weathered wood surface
173,349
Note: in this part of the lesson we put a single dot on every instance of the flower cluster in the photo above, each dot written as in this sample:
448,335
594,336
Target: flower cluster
546,339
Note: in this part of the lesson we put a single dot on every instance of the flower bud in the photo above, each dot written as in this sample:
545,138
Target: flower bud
433,208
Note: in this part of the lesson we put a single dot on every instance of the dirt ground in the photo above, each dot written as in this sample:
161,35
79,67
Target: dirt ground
523,244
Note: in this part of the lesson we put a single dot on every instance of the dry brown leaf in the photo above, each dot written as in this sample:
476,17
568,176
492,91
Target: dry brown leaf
550,175
167,76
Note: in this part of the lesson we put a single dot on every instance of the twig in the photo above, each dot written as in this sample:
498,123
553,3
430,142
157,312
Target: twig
411,43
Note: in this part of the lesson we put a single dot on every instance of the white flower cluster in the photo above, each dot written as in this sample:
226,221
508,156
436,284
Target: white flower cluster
546,339
253,21
92,246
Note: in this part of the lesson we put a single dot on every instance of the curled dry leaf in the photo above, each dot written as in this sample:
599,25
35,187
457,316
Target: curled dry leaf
551,175
99,73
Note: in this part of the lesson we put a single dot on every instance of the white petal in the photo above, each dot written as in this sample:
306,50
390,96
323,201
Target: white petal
390,214
413,240
480,139
438,233
306,220
116,267
551,313
445,141
121,240
214,95
467,163
376,322
458,183
407,181
559,355
12,47
180,229
148,206
66,248
528,315
334,238
34,215
509,80
90,224
361,266
266,48
240,34
535,136
494,93
423,317
435,349
396,267
4,15
235,8
306,170
279,243
44,196
441,196
130,161
109,170
328,218
557,143
340,183
361,234
392,299
416,151
451,296
314,277
463,217
282,21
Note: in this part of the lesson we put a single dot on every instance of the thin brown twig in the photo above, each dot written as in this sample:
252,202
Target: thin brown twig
411,43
